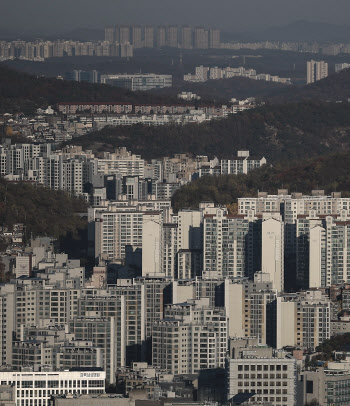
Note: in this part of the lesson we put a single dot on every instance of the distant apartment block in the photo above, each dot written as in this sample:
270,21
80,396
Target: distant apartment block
204,73
242,164
201,38
185,37
41,50
341,66
83,76
138,82
94,107
316,71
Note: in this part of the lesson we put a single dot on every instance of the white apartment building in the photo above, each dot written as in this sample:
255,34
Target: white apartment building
323,251
303,319
7,322
122,163
242,164
248,308
116,229
267,380
316,71
230,244
291,205
190,338
272,260
152,258
36,388
169,250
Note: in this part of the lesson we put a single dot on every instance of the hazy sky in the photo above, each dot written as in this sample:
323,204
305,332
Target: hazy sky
233,15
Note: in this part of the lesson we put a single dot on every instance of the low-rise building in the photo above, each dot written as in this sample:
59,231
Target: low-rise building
269,380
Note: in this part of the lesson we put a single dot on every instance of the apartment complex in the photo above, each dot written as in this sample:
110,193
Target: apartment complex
173,36
138,82
41,50
204,73
314,228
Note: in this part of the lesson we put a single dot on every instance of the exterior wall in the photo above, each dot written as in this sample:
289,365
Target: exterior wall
37,387
286,323
317,257
151,244
274,380
273,252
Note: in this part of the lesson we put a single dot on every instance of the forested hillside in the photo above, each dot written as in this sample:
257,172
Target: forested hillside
20,92
278,132
334,88
45,212
331,173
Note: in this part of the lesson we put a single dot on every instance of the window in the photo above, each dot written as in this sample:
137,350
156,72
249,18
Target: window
309,387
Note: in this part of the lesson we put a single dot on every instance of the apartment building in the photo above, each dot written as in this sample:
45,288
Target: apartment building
316,71
272,249
138,82
341,66
186,37
41,50
250,308
116,229
172,36
231,244
7,322
303,319
193,336
243,164
132,308
148,37
101,332
170,250
330,385
323,256
94,107
201,38
121,162
214,38
152,243
136,36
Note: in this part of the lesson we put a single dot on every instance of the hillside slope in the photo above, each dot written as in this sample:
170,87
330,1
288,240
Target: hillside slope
278,132
331,173
45,212
20,92
335,87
